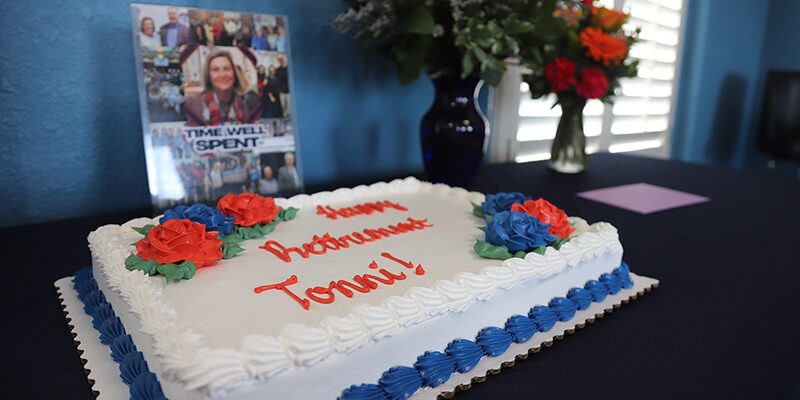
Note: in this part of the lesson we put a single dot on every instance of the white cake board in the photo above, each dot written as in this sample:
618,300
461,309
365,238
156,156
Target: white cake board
103,373
101,370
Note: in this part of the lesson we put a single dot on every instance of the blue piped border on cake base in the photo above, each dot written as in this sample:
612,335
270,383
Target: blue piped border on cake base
133,370
398,383
461,355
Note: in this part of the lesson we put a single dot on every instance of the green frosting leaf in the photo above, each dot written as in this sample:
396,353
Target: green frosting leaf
248,232
232,237
265,229
540,250
134,262
520,254
230,249
133,259
477,210
558,243
287,214
144,229
488,250
174,272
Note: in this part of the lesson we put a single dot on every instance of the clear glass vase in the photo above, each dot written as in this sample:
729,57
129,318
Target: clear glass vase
568,154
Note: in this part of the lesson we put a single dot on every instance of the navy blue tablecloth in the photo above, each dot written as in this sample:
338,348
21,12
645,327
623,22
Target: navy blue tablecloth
723,324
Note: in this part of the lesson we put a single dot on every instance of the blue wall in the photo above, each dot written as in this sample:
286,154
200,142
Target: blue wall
721,63
729,46
71,133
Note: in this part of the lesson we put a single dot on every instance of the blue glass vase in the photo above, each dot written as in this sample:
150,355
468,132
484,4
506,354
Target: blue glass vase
453,132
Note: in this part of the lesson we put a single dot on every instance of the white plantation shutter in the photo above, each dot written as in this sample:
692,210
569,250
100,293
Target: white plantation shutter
641,116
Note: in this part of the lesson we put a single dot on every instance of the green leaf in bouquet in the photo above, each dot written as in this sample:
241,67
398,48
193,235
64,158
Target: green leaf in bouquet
410,58
511,45
488,250
420,20
480,55
467,64
492,75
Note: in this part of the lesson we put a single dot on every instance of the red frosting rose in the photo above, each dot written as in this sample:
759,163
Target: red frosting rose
592,84
178,240
248,208
547,213
560,73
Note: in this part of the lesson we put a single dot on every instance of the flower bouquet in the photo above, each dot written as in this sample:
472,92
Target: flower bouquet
459,44
584,61
458,38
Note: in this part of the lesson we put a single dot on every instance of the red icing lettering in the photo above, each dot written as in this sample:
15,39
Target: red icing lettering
359,279
312,294
390,275
309,247
358,209
321,245
419,270
329,242
280,251
363,283
282,286
399,261
359,287
361,237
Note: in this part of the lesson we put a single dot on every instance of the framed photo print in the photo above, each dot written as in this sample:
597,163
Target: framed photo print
216,103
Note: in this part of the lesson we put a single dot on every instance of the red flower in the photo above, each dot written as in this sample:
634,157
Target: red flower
248,208
560,73
548,214
587,2
178,240
592,84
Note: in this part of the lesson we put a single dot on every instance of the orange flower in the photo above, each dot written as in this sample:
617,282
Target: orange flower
569,15
608,19
602,46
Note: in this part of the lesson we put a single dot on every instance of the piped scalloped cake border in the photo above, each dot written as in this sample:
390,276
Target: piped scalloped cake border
262,356
449,394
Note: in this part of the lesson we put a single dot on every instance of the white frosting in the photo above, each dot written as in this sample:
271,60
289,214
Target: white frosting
186,356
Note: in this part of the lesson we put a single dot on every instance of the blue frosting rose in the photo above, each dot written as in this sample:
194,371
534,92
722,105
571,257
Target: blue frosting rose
499,202
518,231
212,218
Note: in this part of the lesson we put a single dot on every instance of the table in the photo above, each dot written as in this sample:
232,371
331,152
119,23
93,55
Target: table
723,323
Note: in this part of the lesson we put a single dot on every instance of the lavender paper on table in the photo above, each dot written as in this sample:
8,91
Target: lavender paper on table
643,198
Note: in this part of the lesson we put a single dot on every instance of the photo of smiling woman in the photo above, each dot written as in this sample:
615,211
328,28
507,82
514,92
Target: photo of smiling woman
221,101
147,33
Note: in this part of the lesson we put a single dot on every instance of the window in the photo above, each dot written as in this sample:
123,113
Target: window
638,121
